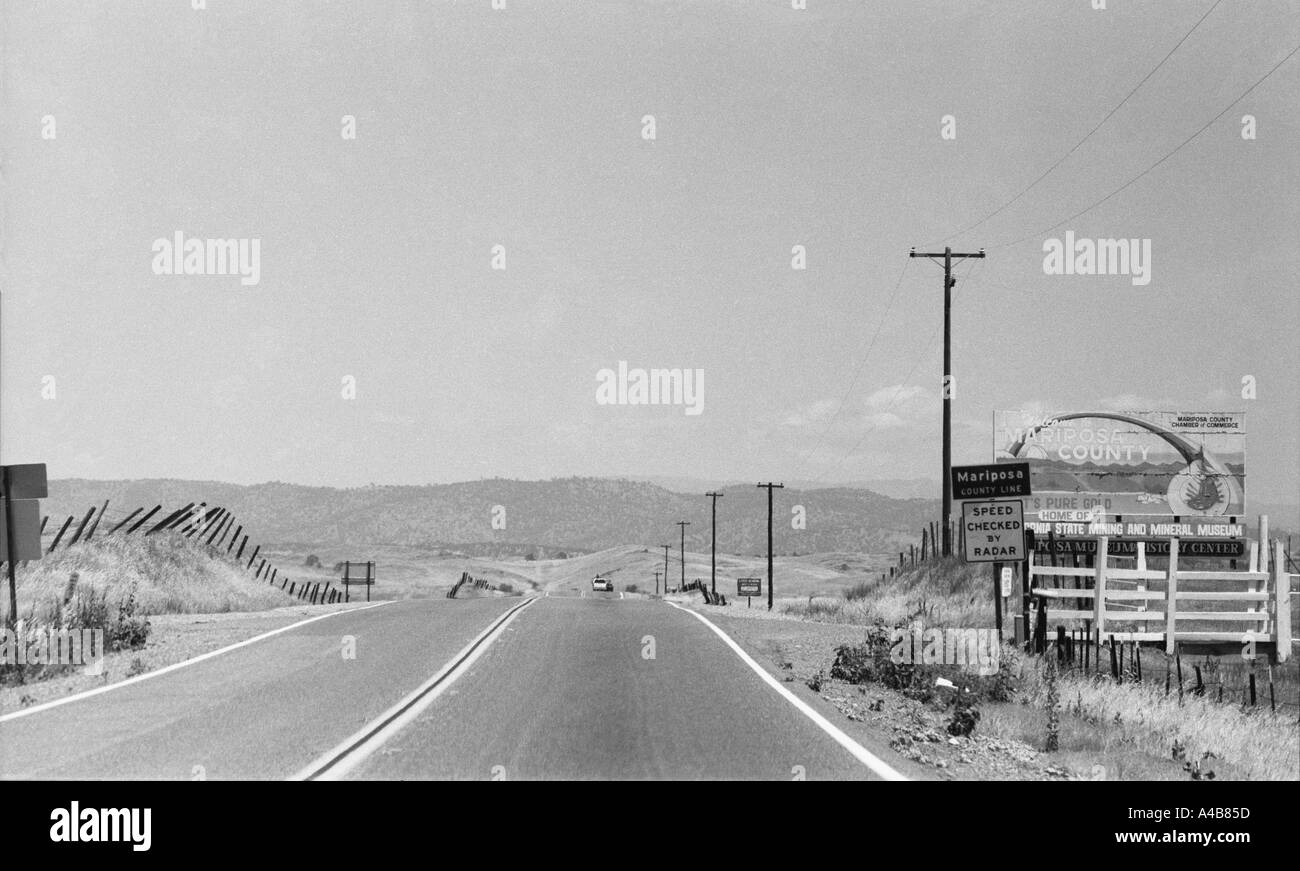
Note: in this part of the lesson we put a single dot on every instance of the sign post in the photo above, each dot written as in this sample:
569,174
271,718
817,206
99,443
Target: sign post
350,580
748,587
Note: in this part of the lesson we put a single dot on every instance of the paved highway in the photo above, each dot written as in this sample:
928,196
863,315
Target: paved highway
591,687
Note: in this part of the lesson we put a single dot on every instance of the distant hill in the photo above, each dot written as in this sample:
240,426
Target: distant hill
576,514
896,488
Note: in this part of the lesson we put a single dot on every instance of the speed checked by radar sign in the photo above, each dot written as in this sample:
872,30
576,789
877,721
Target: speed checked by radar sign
994,530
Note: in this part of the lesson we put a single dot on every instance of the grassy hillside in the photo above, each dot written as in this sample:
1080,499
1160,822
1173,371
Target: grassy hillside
571,514
166,574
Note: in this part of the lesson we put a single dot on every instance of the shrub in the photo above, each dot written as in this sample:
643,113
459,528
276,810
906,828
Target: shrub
872,662
131,630
964,716
312,561
859,590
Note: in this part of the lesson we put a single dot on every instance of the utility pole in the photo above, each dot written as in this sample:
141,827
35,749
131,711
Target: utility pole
657,582
770,487
944,482
665,547
683,524
713,557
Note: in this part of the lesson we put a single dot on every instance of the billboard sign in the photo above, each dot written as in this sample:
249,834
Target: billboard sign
1088,465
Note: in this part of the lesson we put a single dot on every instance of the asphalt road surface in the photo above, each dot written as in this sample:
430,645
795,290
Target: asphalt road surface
597,686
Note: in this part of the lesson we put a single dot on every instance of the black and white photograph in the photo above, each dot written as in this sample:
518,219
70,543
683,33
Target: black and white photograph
651,391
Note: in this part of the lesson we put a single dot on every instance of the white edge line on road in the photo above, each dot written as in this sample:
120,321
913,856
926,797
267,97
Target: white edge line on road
343,758
36,709
859,752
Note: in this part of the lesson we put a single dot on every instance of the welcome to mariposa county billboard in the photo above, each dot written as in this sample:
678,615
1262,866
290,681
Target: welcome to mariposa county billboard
1185,464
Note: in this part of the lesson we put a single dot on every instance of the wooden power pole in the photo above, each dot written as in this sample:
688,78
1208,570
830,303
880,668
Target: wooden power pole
665,547
713,554
770,487
683,524
948,282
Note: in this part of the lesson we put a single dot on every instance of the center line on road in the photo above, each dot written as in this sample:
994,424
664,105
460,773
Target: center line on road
862,754
338,762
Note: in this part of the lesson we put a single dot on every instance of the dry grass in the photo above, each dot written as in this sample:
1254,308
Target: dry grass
1258,744
167,574
941,593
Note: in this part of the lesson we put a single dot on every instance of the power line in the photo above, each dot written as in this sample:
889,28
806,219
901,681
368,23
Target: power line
858,372
929,347
1087,135
946,398
1153,166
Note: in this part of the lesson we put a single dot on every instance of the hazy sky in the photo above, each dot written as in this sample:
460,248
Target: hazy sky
523,127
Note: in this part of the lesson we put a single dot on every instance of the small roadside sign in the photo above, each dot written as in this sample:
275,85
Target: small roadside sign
994,530
749,587
357,575
27,529
990,481
1006,581
25,481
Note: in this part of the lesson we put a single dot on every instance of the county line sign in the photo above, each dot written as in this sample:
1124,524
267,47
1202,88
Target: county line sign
991,481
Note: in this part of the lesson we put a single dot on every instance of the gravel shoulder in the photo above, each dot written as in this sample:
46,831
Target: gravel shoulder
803,651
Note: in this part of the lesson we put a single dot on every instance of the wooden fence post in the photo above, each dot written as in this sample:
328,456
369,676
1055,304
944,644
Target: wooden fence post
1171,598
1099,584
162,524
1282,607
225,518
76,535
144,519
118,526
94,526
185,519
62,530
1265,548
